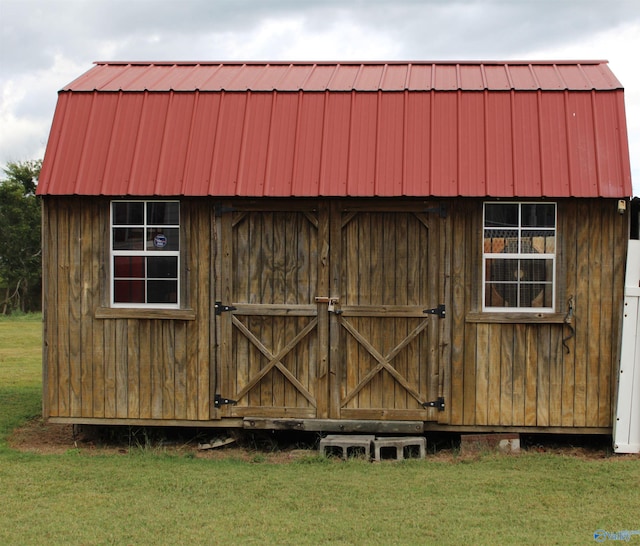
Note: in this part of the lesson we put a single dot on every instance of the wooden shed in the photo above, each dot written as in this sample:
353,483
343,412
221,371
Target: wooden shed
336,246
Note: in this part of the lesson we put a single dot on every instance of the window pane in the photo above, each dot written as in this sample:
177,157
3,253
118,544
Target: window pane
128,213
538,215
162,291
128,266
163,213
128,291
163,239
128,239
497,240
542,241
533,295
501,295
162,267
537,270
501,215
502,270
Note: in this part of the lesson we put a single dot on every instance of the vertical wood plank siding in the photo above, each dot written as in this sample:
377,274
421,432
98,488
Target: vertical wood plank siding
491,372
127,368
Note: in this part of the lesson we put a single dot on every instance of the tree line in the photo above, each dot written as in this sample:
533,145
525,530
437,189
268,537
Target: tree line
20,239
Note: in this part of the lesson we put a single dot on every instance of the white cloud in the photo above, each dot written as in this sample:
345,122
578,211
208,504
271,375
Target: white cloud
292,39
27,102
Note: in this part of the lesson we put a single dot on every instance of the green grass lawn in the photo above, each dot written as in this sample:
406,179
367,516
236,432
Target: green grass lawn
156,497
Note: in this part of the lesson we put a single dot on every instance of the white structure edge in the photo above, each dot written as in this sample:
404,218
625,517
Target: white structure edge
626,427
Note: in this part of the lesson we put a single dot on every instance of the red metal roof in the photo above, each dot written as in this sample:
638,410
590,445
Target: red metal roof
508,129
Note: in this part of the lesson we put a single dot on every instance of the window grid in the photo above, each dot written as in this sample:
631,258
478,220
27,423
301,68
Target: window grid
144,260
519,260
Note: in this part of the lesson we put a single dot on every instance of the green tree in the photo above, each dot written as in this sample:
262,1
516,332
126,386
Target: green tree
20,249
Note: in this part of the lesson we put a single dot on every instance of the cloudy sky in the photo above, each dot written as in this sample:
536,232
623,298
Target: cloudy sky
45,44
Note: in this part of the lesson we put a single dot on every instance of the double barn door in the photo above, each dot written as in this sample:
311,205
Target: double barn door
322,311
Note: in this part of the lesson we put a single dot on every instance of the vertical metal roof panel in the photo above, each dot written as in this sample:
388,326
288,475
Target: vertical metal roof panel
497,78
523,77
95,146
554,146
362,144
417,144
472,78
335,145
444,144
220,79
369,78
395,78
255,145
223,179
282,147
446,78
175,143
390,145
344,78
581,149
549,77
295,77
471,144
66,169
319,78
499,145
420,77
126,126
204,139
146,159
610,150
307,159
527,177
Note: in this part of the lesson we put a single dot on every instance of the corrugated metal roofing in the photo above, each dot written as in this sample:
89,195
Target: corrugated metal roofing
516,129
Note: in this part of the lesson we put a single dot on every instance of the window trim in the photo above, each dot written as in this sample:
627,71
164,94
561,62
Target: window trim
146,253
515,314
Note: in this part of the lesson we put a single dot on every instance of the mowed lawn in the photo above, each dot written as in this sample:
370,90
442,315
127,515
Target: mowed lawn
157,497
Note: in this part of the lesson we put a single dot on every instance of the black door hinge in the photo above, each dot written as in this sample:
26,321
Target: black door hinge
439,404
219,308
440,209
440,311
219,400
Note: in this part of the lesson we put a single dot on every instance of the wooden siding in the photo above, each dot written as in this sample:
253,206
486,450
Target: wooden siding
494,370
119,364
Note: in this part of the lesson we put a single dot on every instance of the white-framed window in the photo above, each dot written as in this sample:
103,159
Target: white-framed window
519,256
145,254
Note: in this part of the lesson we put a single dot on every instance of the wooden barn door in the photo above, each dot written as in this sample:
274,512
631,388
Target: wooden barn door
385,349
322,311
272,348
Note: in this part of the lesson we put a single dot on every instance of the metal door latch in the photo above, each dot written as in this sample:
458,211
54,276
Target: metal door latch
439,404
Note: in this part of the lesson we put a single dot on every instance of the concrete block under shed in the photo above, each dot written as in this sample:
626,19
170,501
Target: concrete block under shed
347,445
402,447
503,442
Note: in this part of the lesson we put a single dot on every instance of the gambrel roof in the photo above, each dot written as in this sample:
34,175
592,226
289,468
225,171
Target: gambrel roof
504,129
